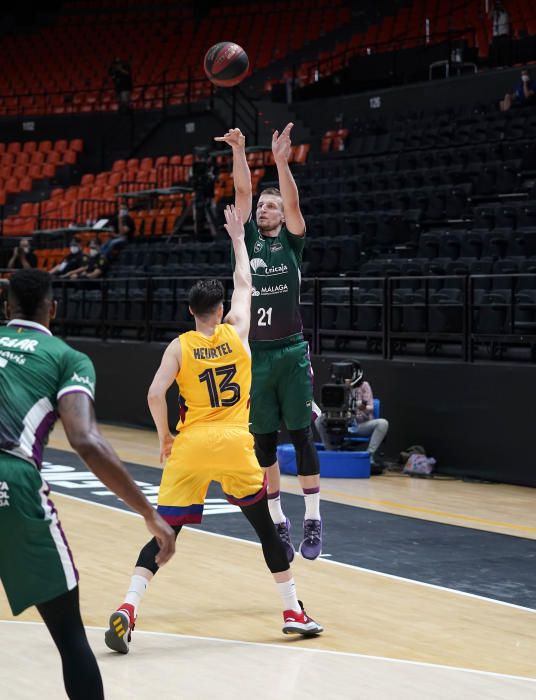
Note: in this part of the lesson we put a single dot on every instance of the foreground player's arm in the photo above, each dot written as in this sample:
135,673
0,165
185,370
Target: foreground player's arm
281,146
241,174
78,418
156,398
239,315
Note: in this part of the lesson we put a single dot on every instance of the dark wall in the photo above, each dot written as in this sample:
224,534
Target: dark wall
476,420
110,136
485,87
124,372
181,133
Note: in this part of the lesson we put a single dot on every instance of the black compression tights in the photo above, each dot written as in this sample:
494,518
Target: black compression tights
81,673
272,547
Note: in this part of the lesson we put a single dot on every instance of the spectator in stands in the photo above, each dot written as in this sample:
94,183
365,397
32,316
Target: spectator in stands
363,423
122,77
22,257
94,266
124,228
523,95
74,260
202,179
501,45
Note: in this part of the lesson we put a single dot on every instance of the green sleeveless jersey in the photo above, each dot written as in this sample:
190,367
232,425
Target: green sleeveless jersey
36,370
275,304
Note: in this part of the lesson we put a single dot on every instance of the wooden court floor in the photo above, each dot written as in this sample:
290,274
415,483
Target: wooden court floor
210,624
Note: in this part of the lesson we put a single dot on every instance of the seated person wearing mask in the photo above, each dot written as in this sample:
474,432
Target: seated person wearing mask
363,423
22,257
93,266
523,95
74,260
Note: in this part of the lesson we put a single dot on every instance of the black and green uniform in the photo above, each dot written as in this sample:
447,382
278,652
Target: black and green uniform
36,370
281,386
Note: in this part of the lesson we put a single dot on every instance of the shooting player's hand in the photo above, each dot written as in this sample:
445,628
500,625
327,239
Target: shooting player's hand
234,138
281,144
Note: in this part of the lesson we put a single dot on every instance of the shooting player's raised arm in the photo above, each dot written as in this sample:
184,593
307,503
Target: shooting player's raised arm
241,174
281,146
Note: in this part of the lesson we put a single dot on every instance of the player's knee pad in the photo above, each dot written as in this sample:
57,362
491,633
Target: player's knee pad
266,448
307,463
147,556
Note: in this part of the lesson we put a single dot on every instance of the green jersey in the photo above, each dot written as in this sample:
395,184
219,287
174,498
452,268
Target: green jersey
36,370
275,267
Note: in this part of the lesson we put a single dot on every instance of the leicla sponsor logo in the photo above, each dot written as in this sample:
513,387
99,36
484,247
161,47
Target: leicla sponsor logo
261,268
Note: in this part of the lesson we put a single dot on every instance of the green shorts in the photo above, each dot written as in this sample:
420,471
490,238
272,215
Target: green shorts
35,560
281,388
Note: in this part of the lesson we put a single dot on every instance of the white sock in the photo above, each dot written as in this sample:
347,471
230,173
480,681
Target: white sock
274,506
138,586
287,591
312,504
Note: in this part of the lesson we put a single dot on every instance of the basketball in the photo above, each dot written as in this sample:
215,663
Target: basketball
226,64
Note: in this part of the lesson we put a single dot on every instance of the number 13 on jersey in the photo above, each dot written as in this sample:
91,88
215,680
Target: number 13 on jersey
215,389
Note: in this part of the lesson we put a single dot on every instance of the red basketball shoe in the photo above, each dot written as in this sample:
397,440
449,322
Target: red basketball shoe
300,623
119,634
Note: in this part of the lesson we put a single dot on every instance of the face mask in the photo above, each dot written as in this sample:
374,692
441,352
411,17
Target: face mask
25,248
93,252
74,249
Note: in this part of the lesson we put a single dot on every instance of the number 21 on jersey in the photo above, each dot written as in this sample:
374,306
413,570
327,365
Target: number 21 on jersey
265,316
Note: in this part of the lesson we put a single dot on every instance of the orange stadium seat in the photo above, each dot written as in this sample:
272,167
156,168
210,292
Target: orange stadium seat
69,158
61,146
87,179
26,184
76,145
37,157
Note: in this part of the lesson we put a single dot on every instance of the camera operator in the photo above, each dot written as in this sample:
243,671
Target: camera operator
360,421
22,257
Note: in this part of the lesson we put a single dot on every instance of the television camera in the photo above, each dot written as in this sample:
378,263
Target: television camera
336,399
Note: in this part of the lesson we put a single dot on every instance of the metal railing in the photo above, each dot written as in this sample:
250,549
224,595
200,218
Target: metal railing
384,316
102,98
316,70
460,311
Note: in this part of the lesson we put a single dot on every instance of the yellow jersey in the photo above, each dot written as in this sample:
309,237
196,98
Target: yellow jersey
214,379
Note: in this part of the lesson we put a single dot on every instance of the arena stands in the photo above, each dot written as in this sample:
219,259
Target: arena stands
464,25
64,68
421,224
